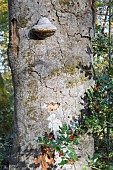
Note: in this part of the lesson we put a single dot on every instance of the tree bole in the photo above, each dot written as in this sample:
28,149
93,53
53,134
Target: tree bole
53,70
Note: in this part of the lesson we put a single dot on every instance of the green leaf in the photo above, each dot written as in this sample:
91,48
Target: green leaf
63,162
76,142
71,149
95,159
65,127
60,132
58,149
54,145
39,140
84,169
73,156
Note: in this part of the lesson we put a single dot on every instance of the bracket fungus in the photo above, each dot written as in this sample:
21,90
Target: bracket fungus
44,28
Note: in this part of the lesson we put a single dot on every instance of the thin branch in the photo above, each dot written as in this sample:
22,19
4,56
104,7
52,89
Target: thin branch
103,28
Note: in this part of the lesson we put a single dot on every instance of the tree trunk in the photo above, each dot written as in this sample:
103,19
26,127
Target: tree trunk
51,72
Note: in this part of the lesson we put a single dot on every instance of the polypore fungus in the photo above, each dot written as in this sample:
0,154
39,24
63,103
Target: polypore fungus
44,28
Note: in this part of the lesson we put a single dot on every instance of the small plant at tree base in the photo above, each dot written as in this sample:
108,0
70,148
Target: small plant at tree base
63,145
100,162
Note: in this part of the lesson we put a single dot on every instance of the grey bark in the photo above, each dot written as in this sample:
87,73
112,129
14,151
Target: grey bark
53,70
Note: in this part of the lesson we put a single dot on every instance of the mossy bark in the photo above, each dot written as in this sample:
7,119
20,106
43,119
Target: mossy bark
56,69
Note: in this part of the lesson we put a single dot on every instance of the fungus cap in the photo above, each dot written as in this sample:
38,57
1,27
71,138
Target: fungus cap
44,28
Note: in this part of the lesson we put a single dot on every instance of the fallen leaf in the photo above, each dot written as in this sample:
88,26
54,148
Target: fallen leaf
52,106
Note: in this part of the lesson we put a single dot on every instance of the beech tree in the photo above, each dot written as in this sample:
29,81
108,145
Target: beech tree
51,61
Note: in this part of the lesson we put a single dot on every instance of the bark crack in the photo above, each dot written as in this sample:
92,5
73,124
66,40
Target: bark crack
15,36
59,47
51,88
40,78
62,108
56,12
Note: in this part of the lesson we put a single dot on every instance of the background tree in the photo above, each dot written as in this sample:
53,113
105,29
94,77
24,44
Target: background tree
6,89
100,98
49,74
